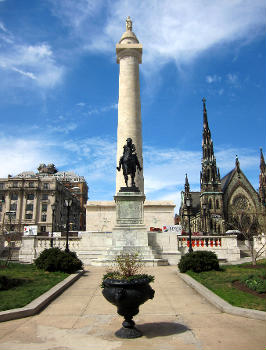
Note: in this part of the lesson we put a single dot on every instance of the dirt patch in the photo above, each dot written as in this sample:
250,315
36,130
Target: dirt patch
241,286
253,266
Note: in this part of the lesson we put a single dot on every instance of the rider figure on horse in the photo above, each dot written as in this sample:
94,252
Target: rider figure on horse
129,161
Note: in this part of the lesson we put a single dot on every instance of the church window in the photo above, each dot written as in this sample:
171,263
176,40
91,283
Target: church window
210,204
217,204
240,202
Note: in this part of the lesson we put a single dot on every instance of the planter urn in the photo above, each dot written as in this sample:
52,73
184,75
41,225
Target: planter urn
127,296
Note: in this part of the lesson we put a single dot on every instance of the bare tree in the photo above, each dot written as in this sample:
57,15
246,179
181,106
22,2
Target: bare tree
251,225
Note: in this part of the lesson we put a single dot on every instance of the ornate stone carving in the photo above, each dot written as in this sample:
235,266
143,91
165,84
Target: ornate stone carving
47,169
240,202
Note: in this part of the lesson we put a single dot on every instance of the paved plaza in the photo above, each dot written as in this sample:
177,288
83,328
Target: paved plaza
177,318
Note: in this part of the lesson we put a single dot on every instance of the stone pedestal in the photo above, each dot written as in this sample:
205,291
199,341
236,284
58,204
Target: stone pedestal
129,230
130,233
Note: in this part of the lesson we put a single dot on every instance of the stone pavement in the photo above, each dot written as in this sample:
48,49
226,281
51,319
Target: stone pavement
177,318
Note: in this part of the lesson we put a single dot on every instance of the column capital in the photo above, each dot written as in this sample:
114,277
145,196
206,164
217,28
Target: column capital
123,50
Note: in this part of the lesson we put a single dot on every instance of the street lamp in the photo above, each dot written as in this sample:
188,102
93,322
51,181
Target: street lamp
68,203
11,215
188,205
52,233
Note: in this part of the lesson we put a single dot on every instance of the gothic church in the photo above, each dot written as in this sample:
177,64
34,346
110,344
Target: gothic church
209,209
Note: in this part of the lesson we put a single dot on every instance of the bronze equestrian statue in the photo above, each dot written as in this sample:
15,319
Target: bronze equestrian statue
129,162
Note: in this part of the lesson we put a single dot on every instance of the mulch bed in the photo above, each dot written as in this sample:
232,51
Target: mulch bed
241,286
253,266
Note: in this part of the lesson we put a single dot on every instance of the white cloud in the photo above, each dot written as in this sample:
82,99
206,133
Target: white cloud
213,79
95,158
22,154
169,30
65,128
232,78
31,64
98,110
2,26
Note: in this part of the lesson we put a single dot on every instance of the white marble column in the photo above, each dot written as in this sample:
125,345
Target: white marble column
129,54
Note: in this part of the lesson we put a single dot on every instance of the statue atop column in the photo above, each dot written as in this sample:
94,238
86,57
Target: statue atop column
128,24
129,162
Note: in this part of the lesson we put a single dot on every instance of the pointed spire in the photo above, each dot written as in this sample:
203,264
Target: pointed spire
205,119
187,188
237,164
262,162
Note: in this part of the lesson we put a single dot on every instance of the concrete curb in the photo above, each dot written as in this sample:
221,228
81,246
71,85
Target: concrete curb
42,301
219,302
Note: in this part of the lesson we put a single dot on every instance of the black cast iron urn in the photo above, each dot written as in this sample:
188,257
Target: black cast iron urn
128,296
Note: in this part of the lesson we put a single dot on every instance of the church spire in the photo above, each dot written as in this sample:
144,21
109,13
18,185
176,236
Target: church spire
205,118
262,162
187,188
210,176
262,179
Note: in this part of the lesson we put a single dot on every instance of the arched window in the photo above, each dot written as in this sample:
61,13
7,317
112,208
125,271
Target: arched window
217,204
210,204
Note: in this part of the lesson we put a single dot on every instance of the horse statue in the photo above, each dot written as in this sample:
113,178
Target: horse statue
129,162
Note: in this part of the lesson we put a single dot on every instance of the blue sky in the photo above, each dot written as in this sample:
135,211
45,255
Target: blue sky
59,87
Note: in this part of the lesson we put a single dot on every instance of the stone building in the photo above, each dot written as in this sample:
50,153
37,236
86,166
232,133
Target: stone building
38,199
75,183
211,208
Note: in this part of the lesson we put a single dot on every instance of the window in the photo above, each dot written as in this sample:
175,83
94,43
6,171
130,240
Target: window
210,204
44,217
2,198
31,184
45,196
14,196
28,216
46,186
29,207
217,204
15,184
0,207
30,196
2,185
43,228
44,207
13,206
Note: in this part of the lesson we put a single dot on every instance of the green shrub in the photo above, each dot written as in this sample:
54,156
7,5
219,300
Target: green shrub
8,283
199,261
54,259
256,283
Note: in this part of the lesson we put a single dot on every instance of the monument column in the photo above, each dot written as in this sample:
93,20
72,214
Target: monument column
129,55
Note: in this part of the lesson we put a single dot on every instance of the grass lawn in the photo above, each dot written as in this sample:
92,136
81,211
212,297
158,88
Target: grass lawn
221,283
29,283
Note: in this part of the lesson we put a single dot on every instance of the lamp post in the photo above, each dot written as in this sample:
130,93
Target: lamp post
52,233
11,215
68,203
188,205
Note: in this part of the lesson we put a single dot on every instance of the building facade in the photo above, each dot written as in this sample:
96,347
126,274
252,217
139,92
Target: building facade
211,208
38,199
